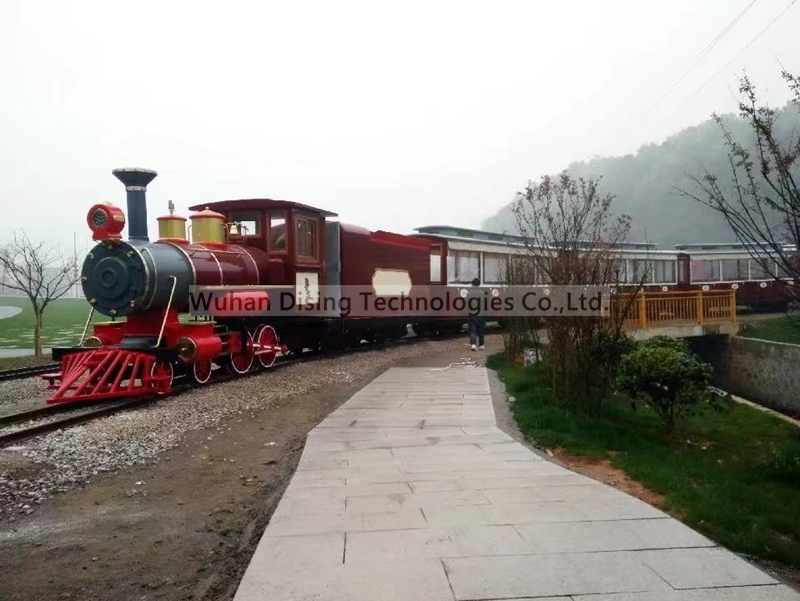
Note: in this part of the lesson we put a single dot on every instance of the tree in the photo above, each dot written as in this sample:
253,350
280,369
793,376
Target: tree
41,272
762,203
572,239
663,373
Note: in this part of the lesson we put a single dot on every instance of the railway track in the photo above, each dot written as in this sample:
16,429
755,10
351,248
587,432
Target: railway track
54,417
27,372
38,421
73,416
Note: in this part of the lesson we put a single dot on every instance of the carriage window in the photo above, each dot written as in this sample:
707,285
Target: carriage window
757,272
436,264
665,272
277,232
464,267
682,271
620,272
306,237
246,223
734,269
494,266
642,271
705,270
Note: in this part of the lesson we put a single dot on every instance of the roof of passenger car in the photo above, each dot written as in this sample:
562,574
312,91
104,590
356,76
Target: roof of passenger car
258,204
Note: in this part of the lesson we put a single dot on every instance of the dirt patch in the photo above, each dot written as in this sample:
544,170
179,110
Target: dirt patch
603,471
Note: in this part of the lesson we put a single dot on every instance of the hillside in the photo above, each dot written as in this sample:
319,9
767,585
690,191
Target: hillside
643,183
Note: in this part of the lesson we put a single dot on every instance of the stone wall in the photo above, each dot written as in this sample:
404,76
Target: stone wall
761,371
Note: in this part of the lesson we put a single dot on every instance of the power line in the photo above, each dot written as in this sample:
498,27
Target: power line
690,66
728,64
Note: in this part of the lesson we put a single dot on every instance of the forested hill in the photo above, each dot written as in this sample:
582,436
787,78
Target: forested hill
643,183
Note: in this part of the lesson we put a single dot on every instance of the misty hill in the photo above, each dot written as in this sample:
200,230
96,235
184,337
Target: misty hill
643,183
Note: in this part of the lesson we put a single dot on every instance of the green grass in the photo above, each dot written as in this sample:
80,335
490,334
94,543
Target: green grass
733,475
64,320
780,329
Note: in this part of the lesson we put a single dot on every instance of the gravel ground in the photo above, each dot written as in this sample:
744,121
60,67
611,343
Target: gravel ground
22,395
62,460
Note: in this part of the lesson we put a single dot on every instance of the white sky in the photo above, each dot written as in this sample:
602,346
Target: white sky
394,115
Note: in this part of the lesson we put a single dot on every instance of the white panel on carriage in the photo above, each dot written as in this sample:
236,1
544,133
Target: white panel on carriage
391,282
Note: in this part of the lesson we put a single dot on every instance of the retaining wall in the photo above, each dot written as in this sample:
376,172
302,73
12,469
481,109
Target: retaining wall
761,371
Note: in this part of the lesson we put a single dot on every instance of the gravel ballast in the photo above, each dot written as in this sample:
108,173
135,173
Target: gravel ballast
65,459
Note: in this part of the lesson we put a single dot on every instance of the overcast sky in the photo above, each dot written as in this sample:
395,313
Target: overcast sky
394,115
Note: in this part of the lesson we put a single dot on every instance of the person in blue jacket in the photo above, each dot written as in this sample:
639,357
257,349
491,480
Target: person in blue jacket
476,320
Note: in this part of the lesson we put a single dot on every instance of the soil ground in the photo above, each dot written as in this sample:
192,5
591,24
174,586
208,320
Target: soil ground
184,528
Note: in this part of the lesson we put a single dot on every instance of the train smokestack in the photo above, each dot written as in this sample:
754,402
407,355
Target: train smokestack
136,181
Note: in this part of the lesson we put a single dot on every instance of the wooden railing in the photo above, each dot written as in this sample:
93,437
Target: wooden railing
664,309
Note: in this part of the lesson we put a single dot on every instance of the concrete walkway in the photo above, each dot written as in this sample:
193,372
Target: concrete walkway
409,492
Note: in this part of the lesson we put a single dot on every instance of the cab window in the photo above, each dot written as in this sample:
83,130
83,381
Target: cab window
245,223
277,232
306,237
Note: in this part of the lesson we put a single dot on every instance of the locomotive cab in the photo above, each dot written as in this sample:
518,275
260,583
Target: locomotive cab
292,235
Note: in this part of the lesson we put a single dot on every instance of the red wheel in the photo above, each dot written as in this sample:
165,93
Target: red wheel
161,374
201,371
241,362
266,339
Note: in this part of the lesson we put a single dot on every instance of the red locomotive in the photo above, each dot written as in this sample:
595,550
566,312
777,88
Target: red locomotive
242,250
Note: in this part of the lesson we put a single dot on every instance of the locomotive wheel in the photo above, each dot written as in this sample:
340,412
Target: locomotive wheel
266,336
201,371
160,369
240,363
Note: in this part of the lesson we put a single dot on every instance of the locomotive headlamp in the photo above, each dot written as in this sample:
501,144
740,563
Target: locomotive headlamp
106,221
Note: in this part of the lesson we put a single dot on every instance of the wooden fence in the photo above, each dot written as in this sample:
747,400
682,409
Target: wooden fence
664,309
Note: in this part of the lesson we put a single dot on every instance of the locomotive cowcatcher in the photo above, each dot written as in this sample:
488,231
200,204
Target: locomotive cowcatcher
242,248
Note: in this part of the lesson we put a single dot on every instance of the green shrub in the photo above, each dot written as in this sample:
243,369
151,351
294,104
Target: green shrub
678,344
674,382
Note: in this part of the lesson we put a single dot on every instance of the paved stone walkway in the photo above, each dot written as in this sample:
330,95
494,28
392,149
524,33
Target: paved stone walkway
409,492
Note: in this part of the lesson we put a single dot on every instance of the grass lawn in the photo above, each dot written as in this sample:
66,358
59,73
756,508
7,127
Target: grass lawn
64,320
734,476
780,329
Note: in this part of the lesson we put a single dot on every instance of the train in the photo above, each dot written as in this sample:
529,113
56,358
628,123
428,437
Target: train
251,251
487,255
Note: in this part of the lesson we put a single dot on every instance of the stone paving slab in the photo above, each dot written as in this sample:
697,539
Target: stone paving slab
410,492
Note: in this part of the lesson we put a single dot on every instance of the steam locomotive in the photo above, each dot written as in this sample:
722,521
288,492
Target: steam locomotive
242,250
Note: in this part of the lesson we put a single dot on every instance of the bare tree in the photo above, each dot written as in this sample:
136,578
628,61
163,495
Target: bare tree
762,204
573,239
520,330
42,273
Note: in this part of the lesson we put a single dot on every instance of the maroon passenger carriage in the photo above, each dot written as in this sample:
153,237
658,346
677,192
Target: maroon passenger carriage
243,250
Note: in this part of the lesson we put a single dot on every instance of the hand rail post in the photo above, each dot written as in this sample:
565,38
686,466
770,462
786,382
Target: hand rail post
699,307
642,310
86,327
166,312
